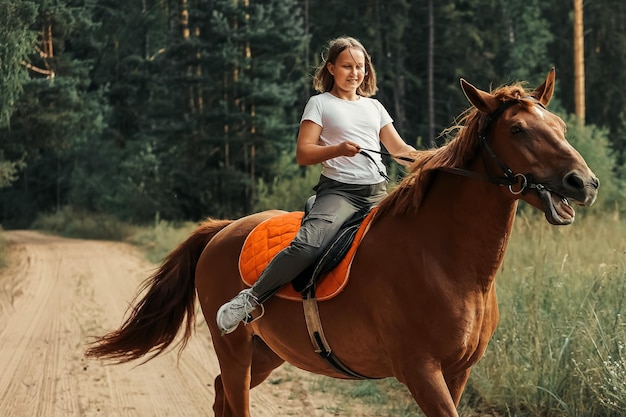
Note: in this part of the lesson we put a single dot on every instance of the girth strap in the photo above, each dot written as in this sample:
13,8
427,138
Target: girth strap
320,344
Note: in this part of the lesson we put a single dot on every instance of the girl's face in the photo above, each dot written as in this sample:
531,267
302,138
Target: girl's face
348,72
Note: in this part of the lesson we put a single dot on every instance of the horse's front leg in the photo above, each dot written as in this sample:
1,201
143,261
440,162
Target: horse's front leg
430,390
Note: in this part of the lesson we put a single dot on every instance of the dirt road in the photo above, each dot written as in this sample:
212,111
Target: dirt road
59,293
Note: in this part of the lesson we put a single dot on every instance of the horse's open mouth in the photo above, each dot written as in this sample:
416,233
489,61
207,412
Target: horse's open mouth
557,209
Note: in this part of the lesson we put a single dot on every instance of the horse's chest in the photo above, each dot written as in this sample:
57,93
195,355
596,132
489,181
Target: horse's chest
470,335
471,346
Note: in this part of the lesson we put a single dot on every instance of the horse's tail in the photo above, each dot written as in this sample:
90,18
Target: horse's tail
155,319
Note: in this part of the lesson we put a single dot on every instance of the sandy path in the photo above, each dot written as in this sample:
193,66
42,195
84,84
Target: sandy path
56,294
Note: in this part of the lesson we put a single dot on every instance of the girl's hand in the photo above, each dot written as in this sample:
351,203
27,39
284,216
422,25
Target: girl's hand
348,148
310,152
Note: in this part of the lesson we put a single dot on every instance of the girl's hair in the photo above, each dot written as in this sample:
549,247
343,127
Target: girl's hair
323,80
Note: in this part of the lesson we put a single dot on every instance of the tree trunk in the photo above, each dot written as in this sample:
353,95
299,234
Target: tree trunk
46,52
431,77
579,62
183,18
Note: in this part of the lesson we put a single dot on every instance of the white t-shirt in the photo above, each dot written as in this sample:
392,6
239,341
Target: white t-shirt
358,121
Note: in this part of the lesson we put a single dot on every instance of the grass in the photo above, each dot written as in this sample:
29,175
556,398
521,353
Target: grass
3,251
379,397
156,241
560,338
73,223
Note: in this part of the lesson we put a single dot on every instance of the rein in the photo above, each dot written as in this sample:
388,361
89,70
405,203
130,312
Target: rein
510,179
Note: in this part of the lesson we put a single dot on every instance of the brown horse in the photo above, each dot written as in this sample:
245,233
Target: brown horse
421,302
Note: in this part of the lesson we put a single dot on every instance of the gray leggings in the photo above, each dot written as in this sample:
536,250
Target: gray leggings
335,204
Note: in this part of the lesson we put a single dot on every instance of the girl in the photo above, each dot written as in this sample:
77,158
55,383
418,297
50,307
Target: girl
335,126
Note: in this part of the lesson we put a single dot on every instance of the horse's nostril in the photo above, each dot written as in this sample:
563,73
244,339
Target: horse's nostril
595,183
574,181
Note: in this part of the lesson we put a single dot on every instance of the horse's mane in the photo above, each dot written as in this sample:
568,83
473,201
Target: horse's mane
458,152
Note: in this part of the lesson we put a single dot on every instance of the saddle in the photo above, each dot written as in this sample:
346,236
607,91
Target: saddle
324,279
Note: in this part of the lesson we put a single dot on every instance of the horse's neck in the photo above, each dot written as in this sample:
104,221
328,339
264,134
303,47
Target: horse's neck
464,224
482,215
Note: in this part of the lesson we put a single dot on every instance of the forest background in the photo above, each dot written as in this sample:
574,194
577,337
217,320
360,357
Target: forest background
182,109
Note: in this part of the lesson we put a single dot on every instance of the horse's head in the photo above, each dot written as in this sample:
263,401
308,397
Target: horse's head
527,142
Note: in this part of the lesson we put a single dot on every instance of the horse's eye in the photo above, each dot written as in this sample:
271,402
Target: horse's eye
516,130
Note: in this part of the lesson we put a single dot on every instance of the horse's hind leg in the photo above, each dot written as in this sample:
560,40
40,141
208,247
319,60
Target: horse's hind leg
264,361
219,406
232,387
245,362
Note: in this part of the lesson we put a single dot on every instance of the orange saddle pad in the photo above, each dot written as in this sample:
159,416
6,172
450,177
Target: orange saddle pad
274,234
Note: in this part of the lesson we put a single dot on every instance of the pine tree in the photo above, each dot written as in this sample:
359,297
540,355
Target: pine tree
605,59
226,107
16,17
55,111
126,179
528,34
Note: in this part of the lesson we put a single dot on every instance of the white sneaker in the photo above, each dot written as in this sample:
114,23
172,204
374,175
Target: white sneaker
233,312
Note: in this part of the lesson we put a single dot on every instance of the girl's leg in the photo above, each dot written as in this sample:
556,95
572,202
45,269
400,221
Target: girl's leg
328,214
319,228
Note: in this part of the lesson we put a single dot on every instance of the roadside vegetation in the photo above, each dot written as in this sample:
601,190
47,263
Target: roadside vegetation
559,348
3,250
156,240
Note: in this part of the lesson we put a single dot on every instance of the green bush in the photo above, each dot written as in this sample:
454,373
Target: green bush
3,250
290,190
159,240
70,222
594,145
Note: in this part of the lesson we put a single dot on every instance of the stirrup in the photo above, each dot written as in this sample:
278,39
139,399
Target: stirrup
250,318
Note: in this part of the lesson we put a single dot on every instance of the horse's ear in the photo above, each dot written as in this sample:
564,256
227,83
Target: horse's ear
544,92
483,101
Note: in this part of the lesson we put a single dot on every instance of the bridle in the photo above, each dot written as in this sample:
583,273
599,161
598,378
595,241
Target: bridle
510,179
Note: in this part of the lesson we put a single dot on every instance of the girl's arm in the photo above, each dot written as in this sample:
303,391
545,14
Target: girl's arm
310,152
390,137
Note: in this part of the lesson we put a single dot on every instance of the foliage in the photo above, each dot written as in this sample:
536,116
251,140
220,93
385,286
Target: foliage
15,20
593,144
178,110
235,114
289,190
17,41
158,240
9,170
528,38
75,223
3,251
56,112
605,79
